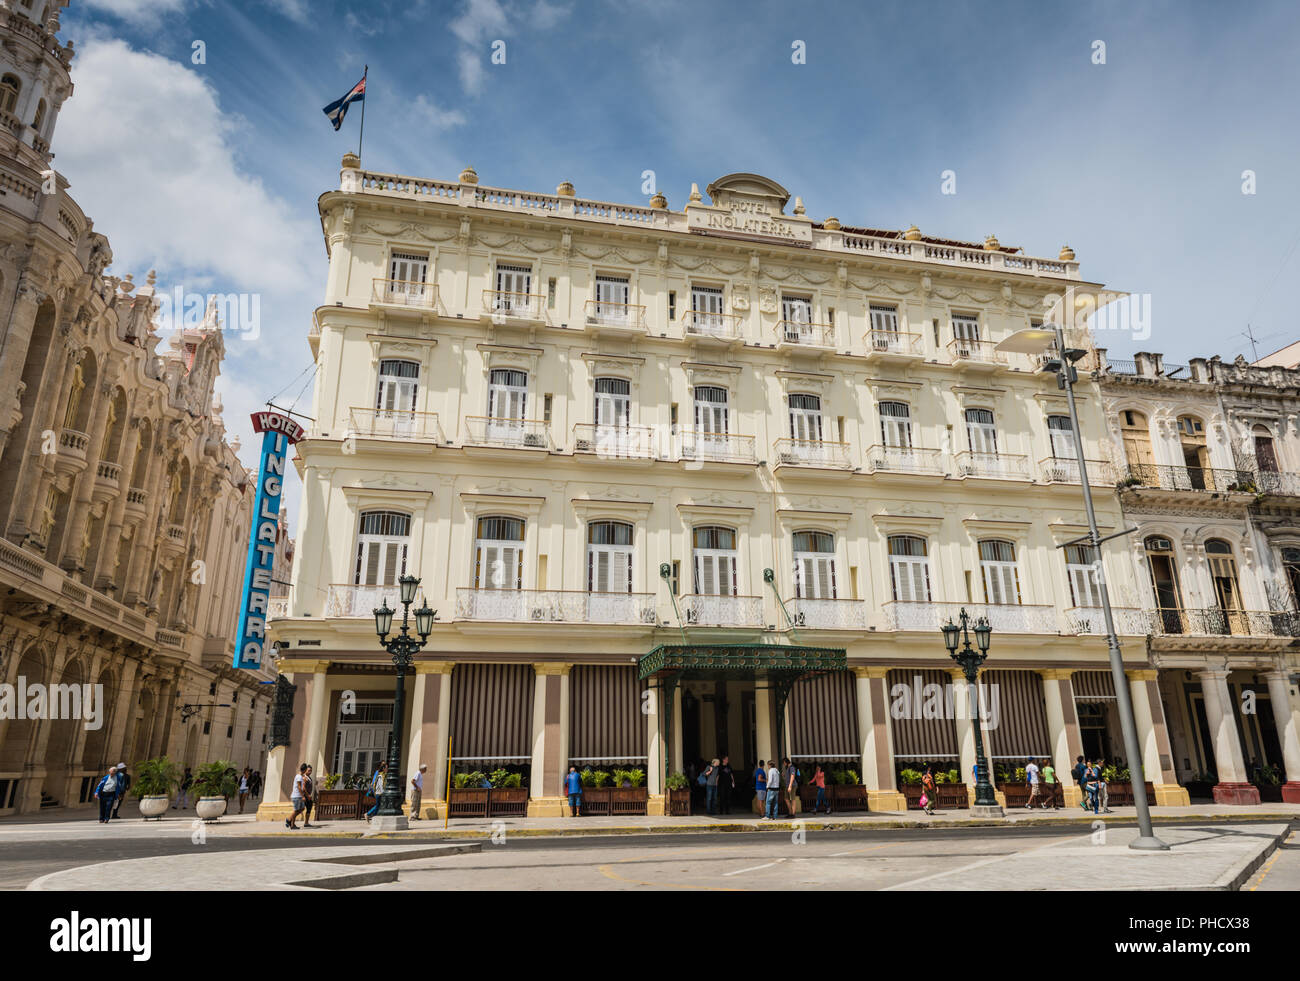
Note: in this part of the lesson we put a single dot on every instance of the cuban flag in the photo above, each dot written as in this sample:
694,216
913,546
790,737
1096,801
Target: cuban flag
337,110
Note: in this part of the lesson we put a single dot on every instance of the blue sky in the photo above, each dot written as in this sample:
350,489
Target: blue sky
210,172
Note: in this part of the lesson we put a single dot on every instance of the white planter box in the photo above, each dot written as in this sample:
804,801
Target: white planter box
210,808
154,806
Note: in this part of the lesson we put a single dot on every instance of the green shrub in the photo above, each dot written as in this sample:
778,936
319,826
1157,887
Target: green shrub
156,778
332,780
1020,774
940,776
851,778
498,777
215,779
954,775
598,778
677,781
910,777
636,776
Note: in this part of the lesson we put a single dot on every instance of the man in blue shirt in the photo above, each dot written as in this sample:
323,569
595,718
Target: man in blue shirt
573,787
760,785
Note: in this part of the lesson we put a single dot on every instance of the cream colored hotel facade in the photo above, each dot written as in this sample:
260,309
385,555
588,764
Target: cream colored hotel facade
539,403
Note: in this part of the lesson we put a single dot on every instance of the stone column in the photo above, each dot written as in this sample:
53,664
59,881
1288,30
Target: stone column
35,482
1153,737
877,741
654,769
1063,729
763,729
550,739
18,336
145,534
83,487
166,717
1287,718
303,675
430,715
1233,787
678,764
313,743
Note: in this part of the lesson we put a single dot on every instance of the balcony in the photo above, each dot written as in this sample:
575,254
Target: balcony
107,481
137,504
357,601
1151,477
630,443
968,353
388,424
1057,471
1017,619
510,434
992,466
614,319
1090,620
71,458
910,460
404,293
812,453
173,540
1217,622
716,329
716,448
828,614
722,611
277,607
798,338
891,346
1276,484
505,308
555,606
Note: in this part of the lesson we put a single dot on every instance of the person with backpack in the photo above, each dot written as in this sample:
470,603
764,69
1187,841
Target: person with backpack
377,786
124,784
1077,771
1031,778
106,792
295,798
1092,779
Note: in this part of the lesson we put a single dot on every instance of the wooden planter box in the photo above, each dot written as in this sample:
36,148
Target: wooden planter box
468,802
912,792
679,802
629,800
849,797
507,802
950,796
1122,794
596,801
345,805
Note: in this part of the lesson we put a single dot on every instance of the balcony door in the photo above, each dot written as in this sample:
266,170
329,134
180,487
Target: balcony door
407,276
981,432
796,317
1001,577
514,285
399,383
1081,570
1265,454
1164,583
613,409
499,554
806,427
382,542
706,305
507,404
1227,592
714,557
966,333
612,299
1061,434
711,419
909,569
884,327
814,565
609,570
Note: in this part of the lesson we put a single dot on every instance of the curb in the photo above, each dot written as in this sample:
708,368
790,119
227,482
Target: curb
1239,875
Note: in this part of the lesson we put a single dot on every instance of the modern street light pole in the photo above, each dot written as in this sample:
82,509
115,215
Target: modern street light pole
969,660
1062,365
403,649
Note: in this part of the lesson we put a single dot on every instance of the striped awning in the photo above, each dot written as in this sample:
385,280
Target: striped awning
606,723
1021,721
824,717
1093,686
492,711
915,736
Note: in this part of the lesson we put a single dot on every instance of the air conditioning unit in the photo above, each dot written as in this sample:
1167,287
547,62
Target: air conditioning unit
533,439
801,619
649,616
582,446
538,613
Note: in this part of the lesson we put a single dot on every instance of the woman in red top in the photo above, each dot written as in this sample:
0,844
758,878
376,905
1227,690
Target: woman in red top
819,781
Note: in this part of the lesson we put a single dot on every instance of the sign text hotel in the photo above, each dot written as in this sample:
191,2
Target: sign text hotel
749,219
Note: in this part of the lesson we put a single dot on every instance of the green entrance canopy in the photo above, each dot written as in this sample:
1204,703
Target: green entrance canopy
739,660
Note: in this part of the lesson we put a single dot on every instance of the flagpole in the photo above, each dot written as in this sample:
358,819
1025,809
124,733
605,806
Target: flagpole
364,75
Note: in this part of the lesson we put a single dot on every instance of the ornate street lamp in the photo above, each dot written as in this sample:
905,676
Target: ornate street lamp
969,659
403,649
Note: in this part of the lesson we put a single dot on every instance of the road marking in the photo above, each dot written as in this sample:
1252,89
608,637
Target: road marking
859,851
609,873
983,862
1268,866
755,868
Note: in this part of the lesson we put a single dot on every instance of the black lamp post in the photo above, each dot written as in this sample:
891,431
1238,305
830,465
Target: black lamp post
403,649
969,660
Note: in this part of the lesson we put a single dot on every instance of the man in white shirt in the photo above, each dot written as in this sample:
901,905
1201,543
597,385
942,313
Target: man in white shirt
417,789
773,791
296,799
1031,775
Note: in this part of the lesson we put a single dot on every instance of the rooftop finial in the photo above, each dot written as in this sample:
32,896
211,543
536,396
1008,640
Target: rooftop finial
1067,253
913,234
469,176
696,196
798,206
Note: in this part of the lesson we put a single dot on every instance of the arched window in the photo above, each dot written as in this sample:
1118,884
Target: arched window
1265,455
10,86
1061,433
499,553
1223,572
714,555
1136,435
382,542
896,425
609,557
1081,565
814,565
1001,577
981,432
909,568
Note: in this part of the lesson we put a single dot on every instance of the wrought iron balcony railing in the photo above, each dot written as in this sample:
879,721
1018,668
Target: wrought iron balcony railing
1129,621
722,611
812,453
811,335
724,326
395,424
1009,619
964,349
717,447
1281,484
892,342
1215,622
1163,477
606,314
528,434
1001,466
615,442
555,606
522,306
404,293
904,459
1058,471
828,614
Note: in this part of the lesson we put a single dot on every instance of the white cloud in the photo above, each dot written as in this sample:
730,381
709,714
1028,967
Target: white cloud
483,21
434,115
295,10
150,155
137,11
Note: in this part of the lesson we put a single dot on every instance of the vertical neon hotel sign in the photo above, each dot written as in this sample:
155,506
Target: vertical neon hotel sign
279,432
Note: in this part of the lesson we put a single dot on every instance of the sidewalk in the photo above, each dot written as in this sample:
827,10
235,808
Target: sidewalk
38,827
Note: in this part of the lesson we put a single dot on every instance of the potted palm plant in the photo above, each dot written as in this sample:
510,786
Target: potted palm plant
213,785
949,791
596,796
909,782
469,798
679,794
847,791
508,796
629,794
156,781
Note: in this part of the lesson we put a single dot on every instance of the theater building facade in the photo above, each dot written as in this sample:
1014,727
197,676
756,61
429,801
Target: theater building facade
686,483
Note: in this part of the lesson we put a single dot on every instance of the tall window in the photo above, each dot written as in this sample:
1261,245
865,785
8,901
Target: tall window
38,122
796,315
507,397
966,332
408,274
513,287
399,383
814,565
499,554
1196,457
715,561
609,557
1001,577
981,432
896,425
884,320
1265,455
1291,569
805,418
1223,571
613,403
1081,569
706,306
1137,438
1061,433
381,547
10,86
710,410
1164,582
909,569
611,298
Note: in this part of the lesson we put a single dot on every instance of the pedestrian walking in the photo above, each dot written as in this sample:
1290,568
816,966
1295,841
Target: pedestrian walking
244,779
790,784
106,793
928,788
255,785
726,785
1091,778
1079,771
1103,789
417,791
1031,778
123,785
760,787
295,798
1049,785
773,791
377,786
711,774
308,797
819,781
183,800
573,787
